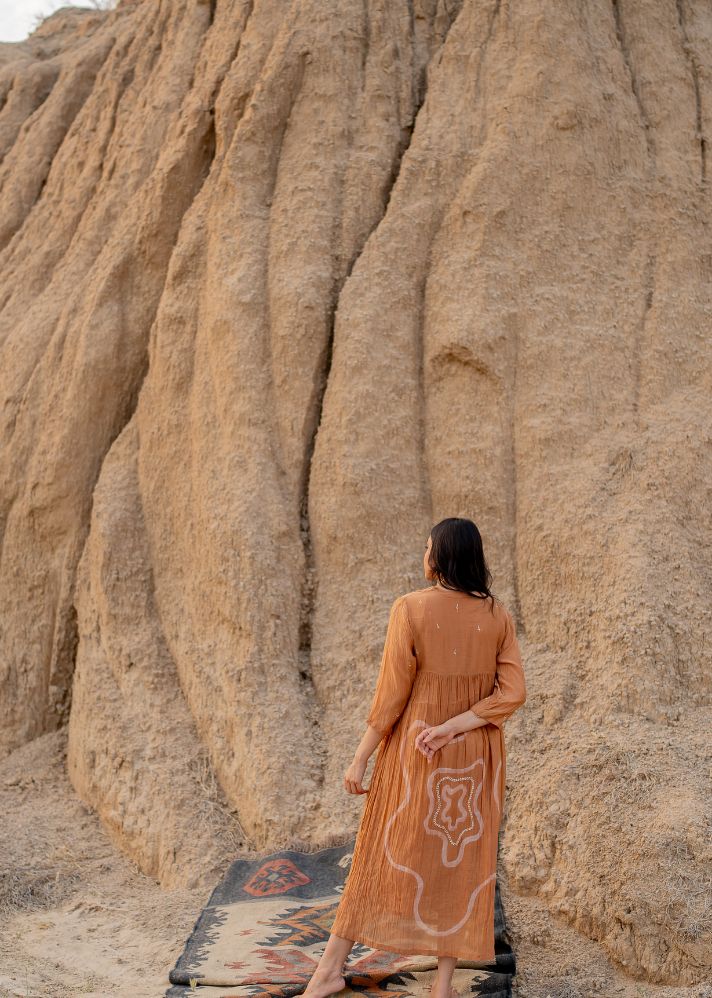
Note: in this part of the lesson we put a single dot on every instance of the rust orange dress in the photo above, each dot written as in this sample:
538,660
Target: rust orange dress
422,875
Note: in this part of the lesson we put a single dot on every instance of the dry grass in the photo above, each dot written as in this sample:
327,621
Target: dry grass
32,888
212,806
53,7
624,780
688,897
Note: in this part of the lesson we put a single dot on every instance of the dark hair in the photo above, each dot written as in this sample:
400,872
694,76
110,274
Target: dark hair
457,557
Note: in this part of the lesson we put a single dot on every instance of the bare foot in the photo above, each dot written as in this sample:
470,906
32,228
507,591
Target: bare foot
437,992
323,985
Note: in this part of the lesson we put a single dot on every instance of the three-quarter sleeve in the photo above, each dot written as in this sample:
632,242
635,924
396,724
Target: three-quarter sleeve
397,672
510,689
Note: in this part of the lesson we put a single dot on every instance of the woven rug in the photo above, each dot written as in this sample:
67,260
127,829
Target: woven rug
266,924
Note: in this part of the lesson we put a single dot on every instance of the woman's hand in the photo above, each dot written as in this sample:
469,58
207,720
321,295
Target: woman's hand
354,775
432,738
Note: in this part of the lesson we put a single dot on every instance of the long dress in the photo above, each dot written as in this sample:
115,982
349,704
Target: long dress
423,869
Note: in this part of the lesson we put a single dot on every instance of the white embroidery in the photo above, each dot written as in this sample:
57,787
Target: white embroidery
496,786
417,723
469,813
450,822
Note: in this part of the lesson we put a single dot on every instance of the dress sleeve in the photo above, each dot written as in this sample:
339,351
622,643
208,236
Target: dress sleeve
510,689
397,672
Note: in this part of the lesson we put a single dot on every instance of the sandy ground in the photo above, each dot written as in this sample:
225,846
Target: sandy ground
79,918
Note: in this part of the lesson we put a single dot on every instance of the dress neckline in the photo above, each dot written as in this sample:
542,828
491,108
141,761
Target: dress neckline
455,592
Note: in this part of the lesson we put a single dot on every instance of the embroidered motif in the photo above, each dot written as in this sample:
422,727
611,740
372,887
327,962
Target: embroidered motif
453,826
471,809
446,817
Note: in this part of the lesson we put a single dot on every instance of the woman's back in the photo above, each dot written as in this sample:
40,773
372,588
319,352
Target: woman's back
425,861
454,632
447,650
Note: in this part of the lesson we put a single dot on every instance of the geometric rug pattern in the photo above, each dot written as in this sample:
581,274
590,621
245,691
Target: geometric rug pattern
266,923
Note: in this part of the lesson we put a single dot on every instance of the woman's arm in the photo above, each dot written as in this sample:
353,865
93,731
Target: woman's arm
395,681
354,774
429,740
510,689
466,721
397,672
368,744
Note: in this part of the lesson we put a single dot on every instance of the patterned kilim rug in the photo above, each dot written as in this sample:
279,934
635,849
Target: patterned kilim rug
266,924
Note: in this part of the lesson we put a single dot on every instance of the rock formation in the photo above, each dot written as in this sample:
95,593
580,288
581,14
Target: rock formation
282,285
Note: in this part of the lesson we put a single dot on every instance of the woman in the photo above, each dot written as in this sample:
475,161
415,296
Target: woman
422,876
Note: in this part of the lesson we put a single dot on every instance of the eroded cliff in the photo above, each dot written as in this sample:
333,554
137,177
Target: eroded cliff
284,284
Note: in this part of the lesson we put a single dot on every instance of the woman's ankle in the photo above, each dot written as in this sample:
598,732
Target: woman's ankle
330,970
